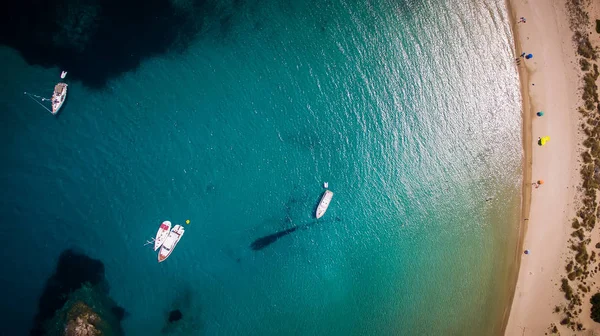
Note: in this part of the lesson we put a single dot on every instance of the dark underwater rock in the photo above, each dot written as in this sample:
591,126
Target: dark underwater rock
175,315
87,312
119,312
183,305
97,40
72,271
77,284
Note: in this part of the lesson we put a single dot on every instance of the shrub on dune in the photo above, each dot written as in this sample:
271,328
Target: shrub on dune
595,300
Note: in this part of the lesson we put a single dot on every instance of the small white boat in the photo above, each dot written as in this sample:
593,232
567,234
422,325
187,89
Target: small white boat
169,245
324,203
58,97
162,234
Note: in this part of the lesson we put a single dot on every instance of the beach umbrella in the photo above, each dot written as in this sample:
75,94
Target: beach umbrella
544,140
541,113
526,251
540,181
528,56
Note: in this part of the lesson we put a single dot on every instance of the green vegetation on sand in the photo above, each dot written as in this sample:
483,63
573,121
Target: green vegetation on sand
595,300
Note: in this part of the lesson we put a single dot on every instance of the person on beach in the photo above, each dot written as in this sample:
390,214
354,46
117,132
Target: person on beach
522,20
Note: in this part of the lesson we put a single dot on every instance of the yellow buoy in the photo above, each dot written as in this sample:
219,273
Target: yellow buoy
187,221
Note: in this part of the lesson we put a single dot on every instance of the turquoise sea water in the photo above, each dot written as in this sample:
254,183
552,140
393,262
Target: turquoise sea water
409,110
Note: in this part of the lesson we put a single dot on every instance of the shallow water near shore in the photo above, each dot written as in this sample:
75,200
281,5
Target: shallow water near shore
410,112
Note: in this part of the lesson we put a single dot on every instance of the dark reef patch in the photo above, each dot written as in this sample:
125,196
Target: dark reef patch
184,317
175,315
73,272
119,312
98,40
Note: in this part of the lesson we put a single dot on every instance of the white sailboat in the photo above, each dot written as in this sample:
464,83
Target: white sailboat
324,203
58,96
162,234
169,245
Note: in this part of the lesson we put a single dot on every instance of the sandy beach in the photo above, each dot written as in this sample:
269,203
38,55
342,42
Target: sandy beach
550,82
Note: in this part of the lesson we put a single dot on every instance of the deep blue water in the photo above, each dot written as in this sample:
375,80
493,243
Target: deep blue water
409,110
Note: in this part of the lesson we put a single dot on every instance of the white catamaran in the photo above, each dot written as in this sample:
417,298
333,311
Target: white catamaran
169,245
324,203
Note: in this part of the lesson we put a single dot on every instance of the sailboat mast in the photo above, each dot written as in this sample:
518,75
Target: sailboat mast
42,98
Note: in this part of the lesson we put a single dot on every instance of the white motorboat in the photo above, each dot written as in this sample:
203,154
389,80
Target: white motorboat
58,97
169,245
324,203
162,234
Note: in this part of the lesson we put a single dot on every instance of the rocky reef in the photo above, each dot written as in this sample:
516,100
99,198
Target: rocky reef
82,321
97,41
75,301
87,312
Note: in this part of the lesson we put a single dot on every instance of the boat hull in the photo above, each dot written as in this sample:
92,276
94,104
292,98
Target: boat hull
324,204
59,97
170,243
162,234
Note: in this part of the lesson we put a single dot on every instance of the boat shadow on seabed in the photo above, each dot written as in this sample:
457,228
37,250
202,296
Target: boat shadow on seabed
267,240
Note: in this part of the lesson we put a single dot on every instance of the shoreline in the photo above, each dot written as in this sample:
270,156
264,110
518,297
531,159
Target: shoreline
549,82
526,142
